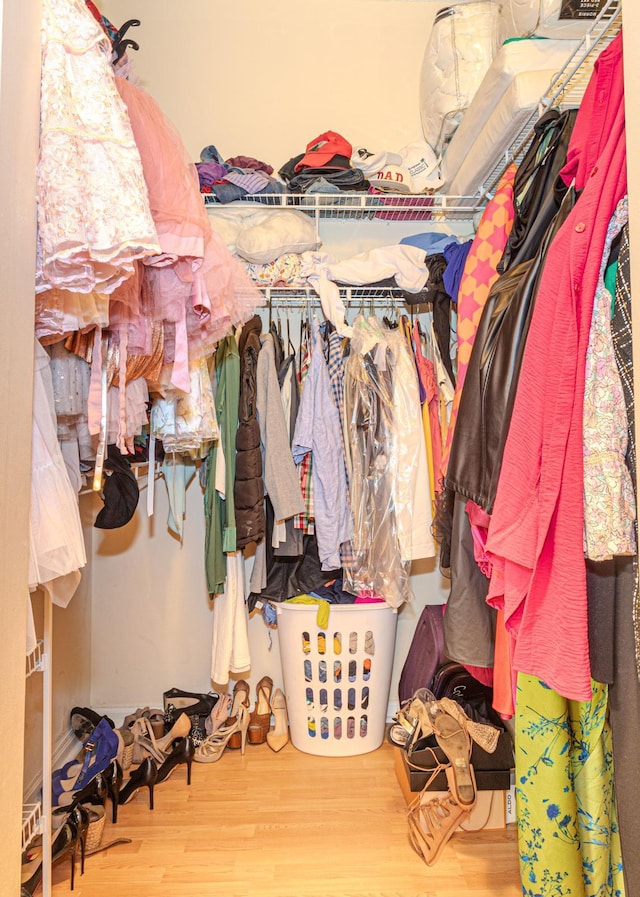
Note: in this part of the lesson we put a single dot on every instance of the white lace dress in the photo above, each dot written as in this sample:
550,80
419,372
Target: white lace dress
93,210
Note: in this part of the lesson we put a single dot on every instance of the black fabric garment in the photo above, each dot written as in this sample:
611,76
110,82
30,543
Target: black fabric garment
601,597
537,189
469,622
624,716
120,490
248,488
302,181
436,294
291,576
486,403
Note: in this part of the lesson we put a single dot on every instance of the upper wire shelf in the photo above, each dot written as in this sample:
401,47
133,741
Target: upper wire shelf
566,89
352,205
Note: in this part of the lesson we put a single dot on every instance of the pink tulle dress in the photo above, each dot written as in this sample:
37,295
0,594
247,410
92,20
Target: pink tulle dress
195,282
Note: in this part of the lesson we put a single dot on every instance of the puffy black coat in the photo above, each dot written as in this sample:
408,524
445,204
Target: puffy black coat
248,489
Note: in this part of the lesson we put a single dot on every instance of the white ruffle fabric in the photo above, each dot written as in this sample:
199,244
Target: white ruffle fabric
93,210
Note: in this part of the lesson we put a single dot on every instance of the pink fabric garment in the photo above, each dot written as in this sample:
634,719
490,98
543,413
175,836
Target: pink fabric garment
504,676
196,283
479,521
427,374
535,537
484,675
479,275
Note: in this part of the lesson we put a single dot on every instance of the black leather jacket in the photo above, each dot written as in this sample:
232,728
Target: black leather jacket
490,386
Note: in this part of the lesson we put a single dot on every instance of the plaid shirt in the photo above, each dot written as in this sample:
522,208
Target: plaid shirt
305,521
335,365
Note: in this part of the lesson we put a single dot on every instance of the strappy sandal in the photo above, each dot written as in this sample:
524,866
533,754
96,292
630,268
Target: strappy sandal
455,741
432,822
212,748
240,698
218,716
412,721
145,744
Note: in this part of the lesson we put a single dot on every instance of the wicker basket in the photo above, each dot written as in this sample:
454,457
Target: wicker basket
95,828
127,756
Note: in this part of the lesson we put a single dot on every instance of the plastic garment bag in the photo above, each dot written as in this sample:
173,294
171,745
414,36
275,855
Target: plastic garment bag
379,569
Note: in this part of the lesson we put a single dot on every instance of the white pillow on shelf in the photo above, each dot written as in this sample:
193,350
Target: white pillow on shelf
263,235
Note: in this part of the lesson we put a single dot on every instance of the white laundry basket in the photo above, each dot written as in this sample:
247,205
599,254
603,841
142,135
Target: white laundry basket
337,679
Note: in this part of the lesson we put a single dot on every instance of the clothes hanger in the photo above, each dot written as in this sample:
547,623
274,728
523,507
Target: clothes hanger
120,45
290,346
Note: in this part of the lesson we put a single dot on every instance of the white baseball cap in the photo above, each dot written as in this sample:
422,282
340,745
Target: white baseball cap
370,163
393,178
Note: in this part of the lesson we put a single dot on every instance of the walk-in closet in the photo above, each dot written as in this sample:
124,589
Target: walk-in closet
304,615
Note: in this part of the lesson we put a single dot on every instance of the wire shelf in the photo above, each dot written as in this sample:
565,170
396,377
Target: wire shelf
139,470
35,658
31,822
386,207
566,89
301,296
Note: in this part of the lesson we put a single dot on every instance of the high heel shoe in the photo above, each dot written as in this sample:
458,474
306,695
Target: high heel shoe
212,748
105,784
83,721
240,698
146,744
155,717
279,735
100,749
145,776
66,842
260,720
183,751
218,716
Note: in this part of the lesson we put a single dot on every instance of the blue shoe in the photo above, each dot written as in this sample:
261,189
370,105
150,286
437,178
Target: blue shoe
100,750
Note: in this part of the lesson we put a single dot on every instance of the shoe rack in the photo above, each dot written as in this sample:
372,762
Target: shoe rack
36,817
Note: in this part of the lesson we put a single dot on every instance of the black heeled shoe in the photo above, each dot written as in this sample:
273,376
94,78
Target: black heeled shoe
65,843
145,776
105,785
182,751
113,779
78,817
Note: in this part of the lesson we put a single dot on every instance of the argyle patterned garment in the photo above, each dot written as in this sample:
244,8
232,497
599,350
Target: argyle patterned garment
479,275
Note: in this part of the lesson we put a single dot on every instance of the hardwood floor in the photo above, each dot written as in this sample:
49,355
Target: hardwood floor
287,825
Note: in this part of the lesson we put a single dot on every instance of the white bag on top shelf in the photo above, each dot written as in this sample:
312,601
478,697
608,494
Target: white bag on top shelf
462,44
569,19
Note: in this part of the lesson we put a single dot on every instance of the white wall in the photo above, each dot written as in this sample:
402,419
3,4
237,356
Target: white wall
265,79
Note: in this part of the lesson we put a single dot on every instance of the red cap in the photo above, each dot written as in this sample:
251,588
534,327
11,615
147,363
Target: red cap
321,151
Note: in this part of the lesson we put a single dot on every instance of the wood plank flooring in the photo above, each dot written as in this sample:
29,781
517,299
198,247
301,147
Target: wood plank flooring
287,825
